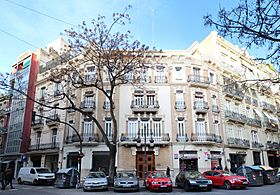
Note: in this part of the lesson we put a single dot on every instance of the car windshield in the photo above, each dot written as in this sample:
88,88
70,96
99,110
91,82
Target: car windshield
158,174
225,173
192,174
41,170
126,175
96,175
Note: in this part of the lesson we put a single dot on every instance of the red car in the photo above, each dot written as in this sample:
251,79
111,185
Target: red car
225,179
157,181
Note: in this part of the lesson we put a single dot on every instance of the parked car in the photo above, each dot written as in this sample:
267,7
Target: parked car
226,179
126,181
190,180
253,173
277,172
66,178
268,175
157,181
95,180
35,175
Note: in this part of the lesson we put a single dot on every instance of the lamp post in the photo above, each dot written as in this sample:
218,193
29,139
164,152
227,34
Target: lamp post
145,150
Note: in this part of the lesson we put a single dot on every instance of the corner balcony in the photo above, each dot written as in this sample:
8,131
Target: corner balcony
131,139
140,108
180,106
268,107
200,107
182,138
53,120
198,81
235,117
256,145
271,125
88,106
238,143
272,145
37,124
53,146
233,93
205,138
254,122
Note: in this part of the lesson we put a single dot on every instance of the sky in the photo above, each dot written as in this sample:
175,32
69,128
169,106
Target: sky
164,24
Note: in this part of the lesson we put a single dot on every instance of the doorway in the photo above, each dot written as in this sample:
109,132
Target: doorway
140,162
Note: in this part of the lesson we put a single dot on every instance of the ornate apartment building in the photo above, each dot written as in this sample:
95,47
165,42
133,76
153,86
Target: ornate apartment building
192,111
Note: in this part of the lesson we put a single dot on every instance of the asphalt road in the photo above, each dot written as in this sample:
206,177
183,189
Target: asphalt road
50,190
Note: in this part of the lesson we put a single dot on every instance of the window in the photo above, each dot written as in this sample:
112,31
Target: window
214,100
87,130
227,105
150,101
107,101
211,78
178,73
180,103
216,127
229,131
181,128
108,128
254,136
69,132
38,139
43,92
139,101
160,74
57,88
88,101
132,126
54,137
157,129
196,73
200,130
145,129
239,132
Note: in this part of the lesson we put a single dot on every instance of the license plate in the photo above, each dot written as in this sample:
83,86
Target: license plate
203,186
163,186
245,182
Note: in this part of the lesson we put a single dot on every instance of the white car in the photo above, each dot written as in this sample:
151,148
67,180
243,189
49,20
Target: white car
96,180
35,175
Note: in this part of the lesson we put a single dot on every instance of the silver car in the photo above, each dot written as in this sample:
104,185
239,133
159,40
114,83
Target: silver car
96,180
126,181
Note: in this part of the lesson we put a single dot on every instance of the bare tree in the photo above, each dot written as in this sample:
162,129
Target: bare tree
253,23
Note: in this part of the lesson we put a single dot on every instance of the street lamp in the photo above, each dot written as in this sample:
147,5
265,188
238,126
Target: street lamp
145,150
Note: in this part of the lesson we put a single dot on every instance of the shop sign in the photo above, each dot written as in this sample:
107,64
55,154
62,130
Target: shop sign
176,156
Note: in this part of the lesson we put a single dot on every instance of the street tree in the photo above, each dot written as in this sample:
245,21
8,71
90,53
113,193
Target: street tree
114,58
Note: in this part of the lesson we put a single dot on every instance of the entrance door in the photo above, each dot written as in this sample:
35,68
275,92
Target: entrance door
140,162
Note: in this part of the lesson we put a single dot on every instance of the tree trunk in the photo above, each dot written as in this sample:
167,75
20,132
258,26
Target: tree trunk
113,152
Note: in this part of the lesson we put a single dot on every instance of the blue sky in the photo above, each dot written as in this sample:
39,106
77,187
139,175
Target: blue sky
165,24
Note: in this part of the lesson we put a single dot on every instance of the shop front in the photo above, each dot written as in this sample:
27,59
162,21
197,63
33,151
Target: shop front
236,160
273,159
188,160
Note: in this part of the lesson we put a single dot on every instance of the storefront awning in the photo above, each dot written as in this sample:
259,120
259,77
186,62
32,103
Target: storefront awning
258,113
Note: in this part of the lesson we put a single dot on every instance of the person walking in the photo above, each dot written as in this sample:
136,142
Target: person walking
2,178
168,171
8,178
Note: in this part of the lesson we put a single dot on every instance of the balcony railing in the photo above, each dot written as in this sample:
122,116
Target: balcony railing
201,106
196,80
268,107
233,116
254,122
160,79
182,138
46,146
130,139
238,142
37,123
272,145
233,93
270,125
205,138
144,107
215,108
53,119
256,145
88,105
180,105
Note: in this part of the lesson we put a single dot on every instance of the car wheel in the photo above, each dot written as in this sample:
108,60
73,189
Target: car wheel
19,181
84,190
227,185
35,182
186,187
209,189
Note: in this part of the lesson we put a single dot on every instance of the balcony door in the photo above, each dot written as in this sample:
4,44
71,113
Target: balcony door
200,130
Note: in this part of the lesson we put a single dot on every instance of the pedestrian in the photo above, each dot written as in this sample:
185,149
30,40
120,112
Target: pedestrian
226,169
2,178
168,171
8,178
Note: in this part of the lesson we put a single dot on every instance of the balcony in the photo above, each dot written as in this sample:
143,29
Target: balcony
160,79
254,122
151,108
182,138
255,102
268,107
272,145
271,125
37,124
89,78
256,145
198,81
130,139
47,146
53,120
235,117
205,138
215,109
233,93
238,143
87,139
200,107
180,106
88,106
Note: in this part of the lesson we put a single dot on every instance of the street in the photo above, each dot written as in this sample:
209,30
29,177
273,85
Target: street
42,190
